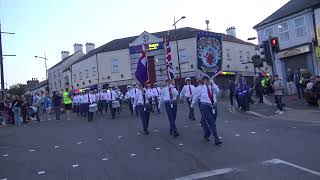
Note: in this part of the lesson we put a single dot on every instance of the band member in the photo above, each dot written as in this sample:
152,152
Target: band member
133,93
82,107
188,91
120,97
75,103
105,100
169,98
91,96
156,92
99,98
112,97
149,90
207,97
127,97
143,105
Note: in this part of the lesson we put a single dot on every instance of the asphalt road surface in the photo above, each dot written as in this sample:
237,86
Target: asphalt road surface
106,149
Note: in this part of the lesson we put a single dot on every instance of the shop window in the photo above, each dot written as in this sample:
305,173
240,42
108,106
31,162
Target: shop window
284,32
115,66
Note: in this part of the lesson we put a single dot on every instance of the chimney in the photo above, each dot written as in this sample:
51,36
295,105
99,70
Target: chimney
231,31
77,47
89,47
64,54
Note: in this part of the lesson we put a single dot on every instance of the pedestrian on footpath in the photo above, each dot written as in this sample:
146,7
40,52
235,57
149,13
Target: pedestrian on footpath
316,89
24,109
3,113
57,103
156,92
187,92
258,87
278,93
36,103
169,96
232,87
142,103
206,97
16,109
67,101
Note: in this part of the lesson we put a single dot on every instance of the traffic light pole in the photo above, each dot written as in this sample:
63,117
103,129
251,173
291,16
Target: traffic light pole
272,57
1,67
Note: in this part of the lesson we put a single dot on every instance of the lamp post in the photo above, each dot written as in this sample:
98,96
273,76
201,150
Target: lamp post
45,63
1,62
175,37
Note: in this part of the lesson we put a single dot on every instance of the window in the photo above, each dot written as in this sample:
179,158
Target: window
80,75
248,56
183,56
94,71
228,54
241,57
87,73
284,32
115,66
74,77
268,32
300,26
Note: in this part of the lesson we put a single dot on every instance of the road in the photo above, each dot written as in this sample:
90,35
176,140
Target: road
253,149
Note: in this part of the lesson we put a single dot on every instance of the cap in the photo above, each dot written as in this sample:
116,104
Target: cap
148,85
155,83
188,79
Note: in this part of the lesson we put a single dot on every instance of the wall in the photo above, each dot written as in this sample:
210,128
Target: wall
84,73
55,78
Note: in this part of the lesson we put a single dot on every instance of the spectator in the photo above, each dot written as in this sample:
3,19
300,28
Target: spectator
47,103
3,113
8,108
37,104
57,102
258,87
316,89
297,82
24,108
232,87
16,109
278,92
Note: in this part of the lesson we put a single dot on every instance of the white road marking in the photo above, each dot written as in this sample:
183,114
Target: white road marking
79,142
41,172
99,139
279,161
104,159
267,130
138,133
56,147
155,130
294,127
4,179
5,155
207,174
75,165
133,154
181,144
119,137
237,135
157,148
32,150
220,137
186,126
252,132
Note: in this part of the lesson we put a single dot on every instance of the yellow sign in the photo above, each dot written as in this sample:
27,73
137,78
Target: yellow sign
153,46
318,33
318,53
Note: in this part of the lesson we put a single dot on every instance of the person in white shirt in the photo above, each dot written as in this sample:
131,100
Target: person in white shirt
81,104
188,91
216,91
91,97
133,93
169,98
142,103
105,100
156,91
149,90
112,97
99,98
120,97
127,97
207,98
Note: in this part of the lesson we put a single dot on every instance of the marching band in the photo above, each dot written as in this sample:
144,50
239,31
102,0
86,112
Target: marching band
144,99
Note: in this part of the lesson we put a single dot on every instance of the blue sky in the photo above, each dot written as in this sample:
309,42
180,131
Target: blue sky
52,26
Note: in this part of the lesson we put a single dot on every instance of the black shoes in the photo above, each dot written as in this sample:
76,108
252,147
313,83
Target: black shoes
146,132
217,143
176,134
207,139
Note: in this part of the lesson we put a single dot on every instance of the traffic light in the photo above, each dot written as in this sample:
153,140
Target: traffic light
265,46
257,61
275,44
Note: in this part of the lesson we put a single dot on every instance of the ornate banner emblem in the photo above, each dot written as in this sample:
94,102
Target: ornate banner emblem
209,52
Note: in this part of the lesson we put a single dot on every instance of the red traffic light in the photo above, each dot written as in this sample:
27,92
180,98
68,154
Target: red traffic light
274,42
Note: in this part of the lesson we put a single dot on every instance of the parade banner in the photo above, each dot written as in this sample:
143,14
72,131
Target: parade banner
209,53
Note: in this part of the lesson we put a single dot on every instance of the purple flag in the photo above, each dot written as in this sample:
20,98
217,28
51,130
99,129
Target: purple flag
142,70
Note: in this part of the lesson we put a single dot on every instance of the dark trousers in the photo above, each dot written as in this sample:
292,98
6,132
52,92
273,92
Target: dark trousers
209,121
172,115
278,100
57,111
113,111
260,97
191,110
231,97
300,90
130,106
90,116
151,105
145,116
101,106
157,104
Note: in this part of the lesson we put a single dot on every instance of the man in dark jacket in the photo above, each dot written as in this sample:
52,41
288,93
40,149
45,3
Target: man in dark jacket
232,87
316,89
57,102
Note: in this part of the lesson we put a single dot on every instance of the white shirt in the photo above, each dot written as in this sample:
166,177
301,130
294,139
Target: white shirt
139,98
112,95
99,96
128,95
156,92
80,99
165,94
150,92
134,91
203,96
185,92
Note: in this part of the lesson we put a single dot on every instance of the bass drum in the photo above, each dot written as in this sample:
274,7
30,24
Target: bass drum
115,104
93,107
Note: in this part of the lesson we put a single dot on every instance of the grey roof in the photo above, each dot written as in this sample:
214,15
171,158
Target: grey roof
292,7
40,84
182,33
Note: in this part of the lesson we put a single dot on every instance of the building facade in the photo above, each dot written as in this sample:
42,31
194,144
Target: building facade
115,62
294,25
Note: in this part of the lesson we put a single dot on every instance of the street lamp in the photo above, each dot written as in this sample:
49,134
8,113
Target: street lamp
45,63
175,36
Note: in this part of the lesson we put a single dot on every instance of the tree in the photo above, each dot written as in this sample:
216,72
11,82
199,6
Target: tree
17,89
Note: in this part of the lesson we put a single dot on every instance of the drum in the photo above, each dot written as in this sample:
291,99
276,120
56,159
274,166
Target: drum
93,107
115,104
32,110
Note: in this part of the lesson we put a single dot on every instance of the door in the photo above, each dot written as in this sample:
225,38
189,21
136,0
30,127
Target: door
151,70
